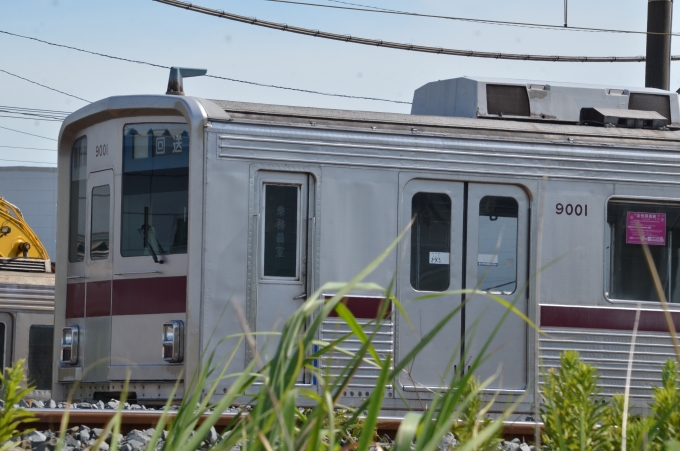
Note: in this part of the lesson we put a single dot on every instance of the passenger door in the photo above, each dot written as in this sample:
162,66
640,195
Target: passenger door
283,218
99,269
432,261
497,250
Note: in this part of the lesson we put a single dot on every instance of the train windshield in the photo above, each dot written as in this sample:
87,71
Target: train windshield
630,224
155,189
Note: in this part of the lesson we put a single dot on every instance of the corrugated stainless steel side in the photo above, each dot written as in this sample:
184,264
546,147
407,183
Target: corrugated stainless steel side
464,155
23,264
363,381
609,351
27,297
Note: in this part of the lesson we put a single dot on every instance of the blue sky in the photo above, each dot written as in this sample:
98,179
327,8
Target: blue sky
150,31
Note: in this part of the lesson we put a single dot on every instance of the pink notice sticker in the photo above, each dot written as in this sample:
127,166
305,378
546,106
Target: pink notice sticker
650,226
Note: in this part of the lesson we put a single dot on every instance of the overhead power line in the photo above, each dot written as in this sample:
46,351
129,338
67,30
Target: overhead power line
35,110
363,6
28,148
39,84
32,118
373,9
33,114
25,133
26,161
235,80
400,46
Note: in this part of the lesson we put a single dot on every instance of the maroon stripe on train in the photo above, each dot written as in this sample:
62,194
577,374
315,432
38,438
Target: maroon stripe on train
98,299
150,295
75,300
363,308
605,318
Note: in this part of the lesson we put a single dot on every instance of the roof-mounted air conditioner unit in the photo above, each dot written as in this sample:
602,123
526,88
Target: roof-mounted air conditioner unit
536,101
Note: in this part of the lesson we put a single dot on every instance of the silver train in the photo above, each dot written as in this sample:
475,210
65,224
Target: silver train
26,325
26,300
178,205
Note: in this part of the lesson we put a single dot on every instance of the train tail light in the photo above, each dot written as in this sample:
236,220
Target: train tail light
173,346
69,345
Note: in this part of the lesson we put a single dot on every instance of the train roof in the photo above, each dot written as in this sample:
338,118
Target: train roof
501,128
199,111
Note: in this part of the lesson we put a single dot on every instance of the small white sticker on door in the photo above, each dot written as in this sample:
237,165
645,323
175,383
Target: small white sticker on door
439,258
487,260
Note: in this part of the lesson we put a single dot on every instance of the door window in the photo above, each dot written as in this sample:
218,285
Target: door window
630,223
155,189
100,222
281,231
497,245
431,242
78,190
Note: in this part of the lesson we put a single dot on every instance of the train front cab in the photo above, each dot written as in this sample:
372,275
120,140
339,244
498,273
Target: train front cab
123,239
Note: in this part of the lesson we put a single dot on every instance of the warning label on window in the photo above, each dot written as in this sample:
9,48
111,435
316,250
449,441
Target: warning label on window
650,227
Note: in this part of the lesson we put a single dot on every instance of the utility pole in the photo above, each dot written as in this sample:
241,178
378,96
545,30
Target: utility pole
658,66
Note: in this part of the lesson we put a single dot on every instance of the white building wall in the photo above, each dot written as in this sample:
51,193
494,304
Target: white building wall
34,191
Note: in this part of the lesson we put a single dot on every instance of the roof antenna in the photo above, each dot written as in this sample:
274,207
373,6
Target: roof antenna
177,74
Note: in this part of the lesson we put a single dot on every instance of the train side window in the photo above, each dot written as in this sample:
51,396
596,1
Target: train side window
431,242
630,223
497,245
155,188
78,191
100,222
3,327
281,230
40,340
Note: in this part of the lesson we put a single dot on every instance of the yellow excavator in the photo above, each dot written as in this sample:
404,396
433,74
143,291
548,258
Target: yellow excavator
17,239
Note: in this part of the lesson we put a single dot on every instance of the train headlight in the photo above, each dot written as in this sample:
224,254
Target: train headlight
69,345
173,346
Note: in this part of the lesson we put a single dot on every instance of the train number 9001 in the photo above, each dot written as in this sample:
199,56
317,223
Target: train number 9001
569,209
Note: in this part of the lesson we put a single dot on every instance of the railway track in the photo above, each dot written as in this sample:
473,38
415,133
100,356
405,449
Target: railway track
145,419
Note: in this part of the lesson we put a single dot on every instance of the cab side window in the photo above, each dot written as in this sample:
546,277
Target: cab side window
78,192
630,224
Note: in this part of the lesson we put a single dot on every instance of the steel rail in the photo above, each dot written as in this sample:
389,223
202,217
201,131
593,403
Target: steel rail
144,419
401,46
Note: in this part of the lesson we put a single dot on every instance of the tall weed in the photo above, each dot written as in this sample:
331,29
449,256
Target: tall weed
571,412
473,420
575,419
13,390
